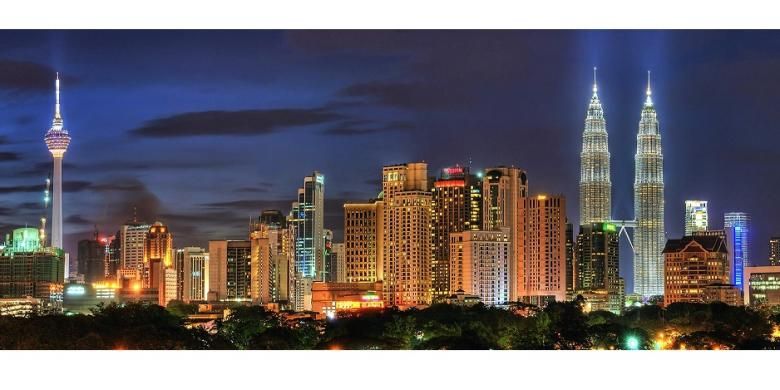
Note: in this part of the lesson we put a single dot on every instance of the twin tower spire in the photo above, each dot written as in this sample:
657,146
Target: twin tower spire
596,188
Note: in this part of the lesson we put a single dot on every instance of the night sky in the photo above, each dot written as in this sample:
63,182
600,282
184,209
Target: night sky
204,129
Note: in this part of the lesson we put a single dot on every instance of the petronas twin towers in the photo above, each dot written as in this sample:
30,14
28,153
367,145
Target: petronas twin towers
596,189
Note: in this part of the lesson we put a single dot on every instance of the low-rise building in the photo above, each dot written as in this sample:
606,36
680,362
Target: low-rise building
328,299
691,264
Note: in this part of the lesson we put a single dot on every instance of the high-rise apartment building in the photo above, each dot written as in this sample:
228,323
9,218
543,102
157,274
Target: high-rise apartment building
649,234
338,264
696,219
737,227
457,207
542,269
273,225
595,181
407,235
691,264
504,190
193,266
479,264
230,274
261,267
364,241
132,239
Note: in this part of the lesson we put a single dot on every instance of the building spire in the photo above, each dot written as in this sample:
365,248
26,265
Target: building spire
649,92
595,85
57,101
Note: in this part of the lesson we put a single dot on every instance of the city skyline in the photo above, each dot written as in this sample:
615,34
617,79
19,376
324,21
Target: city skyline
125,155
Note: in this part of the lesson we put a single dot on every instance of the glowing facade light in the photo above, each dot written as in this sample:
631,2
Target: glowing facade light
737,226
649,236
595,182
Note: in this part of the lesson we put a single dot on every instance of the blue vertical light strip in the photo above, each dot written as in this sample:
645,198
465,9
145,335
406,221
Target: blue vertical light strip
738,256
738,226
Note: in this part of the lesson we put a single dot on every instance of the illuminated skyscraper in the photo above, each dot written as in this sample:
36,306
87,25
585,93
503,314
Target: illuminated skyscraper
595,183
504,190
132,240
57,140
308,218
649,235
479,264
541,271
364,241
407,235
596,270
193,266
158,269
230,274
695,216
457,207
737,227
309,211
273,225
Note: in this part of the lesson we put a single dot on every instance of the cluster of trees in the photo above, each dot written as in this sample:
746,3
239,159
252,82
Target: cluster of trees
560,325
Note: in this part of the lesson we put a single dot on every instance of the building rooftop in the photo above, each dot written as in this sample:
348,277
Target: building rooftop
709,243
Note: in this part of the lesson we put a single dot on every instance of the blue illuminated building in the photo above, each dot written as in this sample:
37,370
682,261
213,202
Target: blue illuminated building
737,227
309,220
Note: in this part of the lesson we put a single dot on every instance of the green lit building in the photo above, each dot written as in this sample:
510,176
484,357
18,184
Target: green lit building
29,270
597,262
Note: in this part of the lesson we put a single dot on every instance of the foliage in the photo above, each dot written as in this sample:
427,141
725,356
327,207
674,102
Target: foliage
559,325
181,309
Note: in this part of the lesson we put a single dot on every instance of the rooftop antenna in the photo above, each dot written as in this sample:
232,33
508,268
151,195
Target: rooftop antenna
649,92
595,85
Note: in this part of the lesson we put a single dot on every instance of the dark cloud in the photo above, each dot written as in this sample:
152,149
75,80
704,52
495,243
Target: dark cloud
233,123
43,168
122,200
24,76
251,189
362,127
256,205
4,140
8,156
77,219
68,186
408,95
7,211
126,186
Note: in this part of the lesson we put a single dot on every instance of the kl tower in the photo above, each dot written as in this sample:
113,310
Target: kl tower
57,140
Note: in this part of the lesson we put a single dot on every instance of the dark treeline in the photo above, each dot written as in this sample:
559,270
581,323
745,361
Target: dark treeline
560,325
